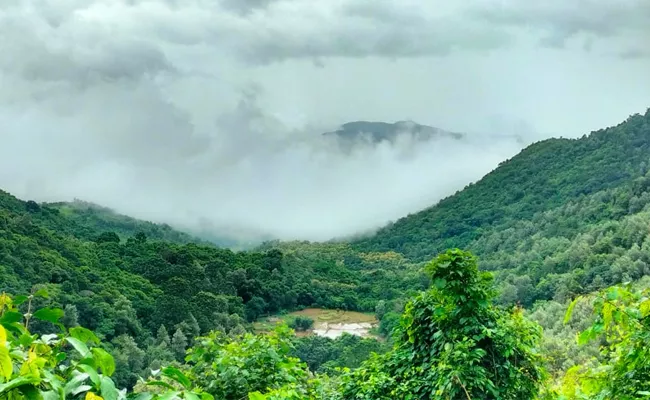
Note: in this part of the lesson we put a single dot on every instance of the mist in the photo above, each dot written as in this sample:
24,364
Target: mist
248,175
208,115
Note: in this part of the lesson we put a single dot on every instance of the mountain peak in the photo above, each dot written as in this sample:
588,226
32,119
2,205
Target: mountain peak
376,132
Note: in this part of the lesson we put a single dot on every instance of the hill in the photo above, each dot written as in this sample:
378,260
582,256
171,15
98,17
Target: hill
560,211
84,220
377,132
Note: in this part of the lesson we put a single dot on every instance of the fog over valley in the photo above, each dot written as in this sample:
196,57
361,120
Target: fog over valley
209,115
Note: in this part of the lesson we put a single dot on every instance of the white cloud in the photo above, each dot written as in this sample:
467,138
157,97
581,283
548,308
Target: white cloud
147,106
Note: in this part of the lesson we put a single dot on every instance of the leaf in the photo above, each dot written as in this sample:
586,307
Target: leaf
177,375
109,392
6,368
256,396
169,396
79,346
104,361
74,383
93,396
33,365
42,292
18,300
190,396
10,317
143,396
161,383
3,335
18,382
81,389
49,314
83,334
30,392
50,395
92,374
644,308
569,311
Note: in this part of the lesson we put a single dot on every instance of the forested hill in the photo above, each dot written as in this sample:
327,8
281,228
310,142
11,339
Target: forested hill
545,175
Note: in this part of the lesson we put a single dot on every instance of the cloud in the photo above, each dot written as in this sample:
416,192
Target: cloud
558,21
250,177
209,113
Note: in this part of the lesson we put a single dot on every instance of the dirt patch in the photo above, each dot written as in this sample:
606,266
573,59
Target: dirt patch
329,323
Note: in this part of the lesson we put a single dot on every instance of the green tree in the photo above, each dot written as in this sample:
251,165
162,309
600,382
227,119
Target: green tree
454,344
231,368
179,344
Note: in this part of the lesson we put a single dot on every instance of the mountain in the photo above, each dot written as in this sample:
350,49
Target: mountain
84,219
564,215
107,266
377,132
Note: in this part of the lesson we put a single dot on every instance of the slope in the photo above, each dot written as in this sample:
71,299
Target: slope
560,218
543,176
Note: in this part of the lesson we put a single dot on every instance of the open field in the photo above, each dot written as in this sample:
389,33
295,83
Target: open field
330,323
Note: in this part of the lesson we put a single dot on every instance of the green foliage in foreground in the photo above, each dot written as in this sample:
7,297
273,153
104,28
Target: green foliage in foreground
623,322
60,366
452,343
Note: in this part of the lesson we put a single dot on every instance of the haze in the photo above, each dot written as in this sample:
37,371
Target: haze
209,113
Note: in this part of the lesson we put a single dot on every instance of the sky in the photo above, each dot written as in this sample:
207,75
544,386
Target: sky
209,112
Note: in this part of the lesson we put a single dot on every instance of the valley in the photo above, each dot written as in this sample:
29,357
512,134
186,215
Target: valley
491,284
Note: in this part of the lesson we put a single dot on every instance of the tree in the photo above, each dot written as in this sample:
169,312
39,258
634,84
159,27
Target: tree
255,308
108,237
179,344
162,337
70,316
380,309
231,368
301,323
452,343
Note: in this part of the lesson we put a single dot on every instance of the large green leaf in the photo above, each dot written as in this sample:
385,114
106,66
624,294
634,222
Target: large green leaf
104,361
49,314
108,389
10,317
83,334
75,383
177,375
6,368
78,345
17,383
92,374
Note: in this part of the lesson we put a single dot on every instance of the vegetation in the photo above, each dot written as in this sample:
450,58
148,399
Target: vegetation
301,323
123,308
562,218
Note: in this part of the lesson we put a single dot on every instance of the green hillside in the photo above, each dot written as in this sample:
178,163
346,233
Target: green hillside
83,220
563,216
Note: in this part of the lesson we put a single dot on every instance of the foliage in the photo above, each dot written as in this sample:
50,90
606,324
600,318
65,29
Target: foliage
623,322
325,355
231,368
562,218
64,365
453,344
301,323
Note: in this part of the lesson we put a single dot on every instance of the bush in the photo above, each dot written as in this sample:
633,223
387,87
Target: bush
301,323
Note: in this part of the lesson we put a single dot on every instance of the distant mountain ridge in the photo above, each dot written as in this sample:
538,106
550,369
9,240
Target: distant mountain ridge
377,132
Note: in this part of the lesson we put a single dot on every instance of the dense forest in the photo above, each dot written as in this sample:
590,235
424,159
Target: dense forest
555,246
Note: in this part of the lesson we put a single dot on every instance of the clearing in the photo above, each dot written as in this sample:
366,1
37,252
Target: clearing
327,323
